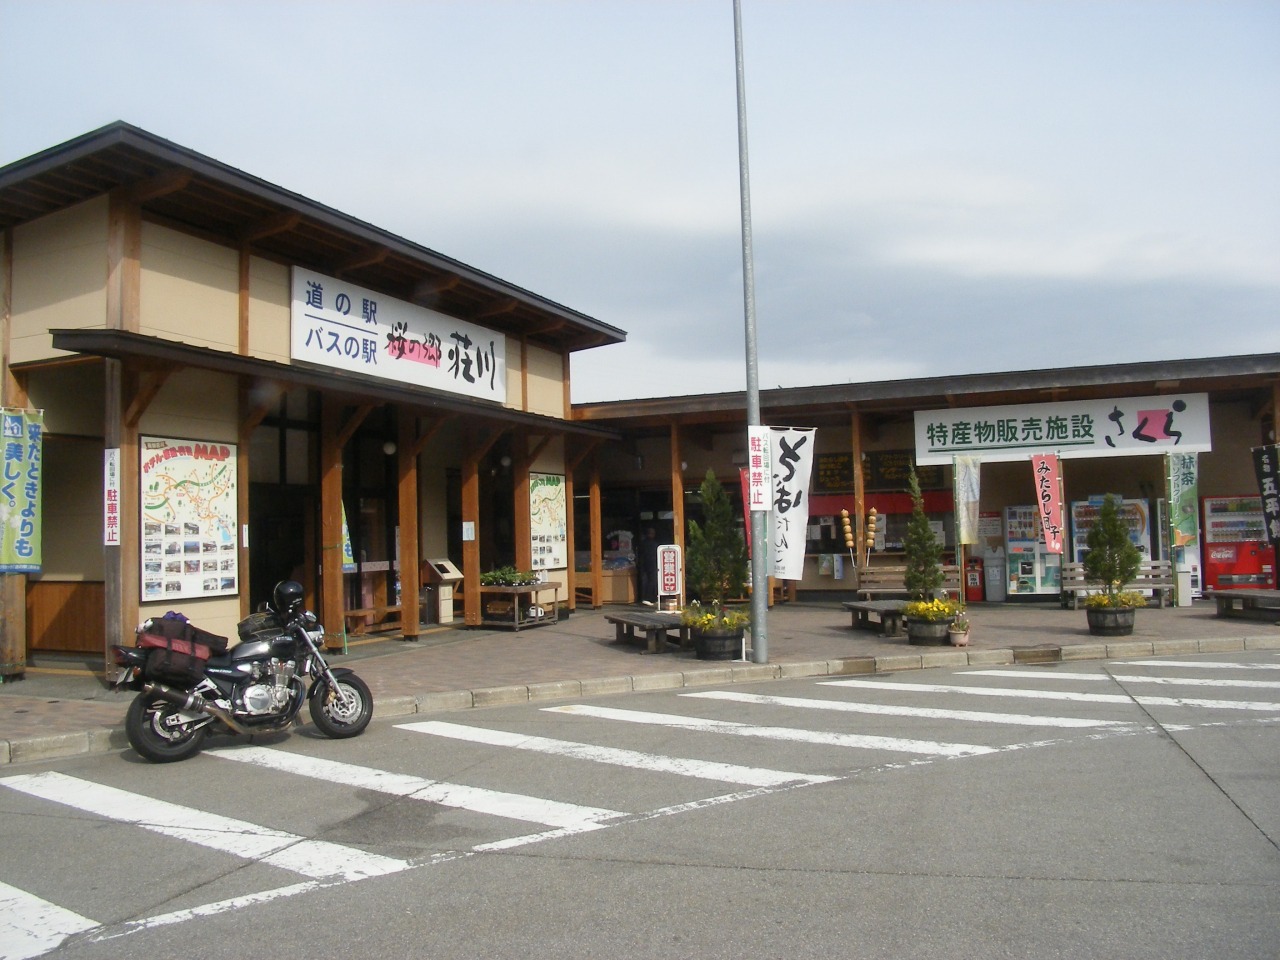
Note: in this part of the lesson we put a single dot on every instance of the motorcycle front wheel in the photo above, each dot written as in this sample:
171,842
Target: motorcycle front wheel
343,712
160,732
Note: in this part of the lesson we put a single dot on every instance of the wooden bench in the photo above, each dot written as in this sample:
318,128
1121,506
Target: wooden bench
1248,603
892,580
655,626
1154,575
887,612
356,624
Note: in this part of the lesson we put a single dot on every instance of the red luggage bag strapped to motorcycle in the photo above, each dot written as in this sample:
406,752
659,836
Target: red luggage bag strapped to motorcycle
179,650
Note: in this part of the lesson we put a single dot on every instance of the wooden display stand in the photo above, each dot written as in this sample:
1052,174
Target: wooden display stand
504,606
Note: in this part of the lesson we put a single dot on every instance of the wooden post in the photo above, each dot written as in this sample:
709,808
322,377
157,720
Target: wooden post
471,515
332,600
13,586
407,503
597,536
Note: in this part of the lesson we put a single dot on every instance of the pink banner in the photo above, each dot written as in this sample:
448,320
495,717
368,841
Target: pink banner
1048,499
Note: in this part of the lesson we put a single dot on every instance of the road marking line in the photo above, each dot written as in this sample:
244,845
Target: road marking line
551,813
858,741
30,926
1210,664
317,859
1126,678
931,713
704,769
1056,695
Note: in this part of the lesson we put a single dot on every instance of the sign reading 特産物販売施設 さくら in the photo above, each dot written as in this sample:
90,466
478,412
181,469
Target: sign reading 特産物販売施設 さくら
337,324
1124,427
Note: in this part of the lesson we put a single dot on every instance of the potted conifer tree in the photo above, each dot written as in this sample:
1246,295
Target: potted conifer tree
716,560
929,612
1111,564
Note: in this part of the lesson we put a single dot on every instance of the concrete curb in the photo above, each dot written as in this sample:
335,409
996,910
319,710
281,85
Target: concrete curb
108,739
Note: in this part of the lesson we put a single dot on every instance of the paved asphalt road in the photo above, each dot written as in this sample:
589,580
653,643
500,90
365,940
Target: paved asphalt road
1118,809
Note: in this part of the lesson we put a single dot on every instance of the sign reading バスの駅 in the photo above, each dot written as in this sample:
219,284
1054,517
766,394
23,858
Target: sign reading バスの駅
337,324
1125,427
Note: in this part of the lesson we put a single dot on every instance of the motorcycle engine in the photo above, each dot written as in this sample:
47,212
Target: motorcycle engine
272,691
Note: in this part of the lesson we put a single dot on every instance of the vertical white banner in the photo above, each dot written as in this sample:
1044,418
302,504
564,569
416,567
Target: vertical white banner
111,497
967,475
757,468
791,452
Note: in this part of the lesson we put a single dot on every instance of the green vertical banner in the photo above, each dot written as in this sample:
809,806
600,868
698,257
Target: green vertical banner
20,466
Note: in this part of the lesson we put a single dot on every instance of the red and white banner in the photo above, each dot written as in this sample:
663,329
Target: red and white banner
1044,466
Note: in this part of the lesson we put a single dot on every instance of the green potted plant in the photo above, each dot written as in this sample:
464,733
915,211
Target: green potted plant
1111,564
716,563
928,613
958,631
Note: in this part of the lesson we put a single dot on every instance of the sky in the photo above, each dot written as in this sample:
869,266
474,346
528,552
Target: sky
937,187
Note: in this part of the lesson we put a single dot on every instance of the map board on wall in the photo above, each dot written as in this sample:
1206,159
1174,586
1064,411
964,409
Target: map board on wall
189,519
548,525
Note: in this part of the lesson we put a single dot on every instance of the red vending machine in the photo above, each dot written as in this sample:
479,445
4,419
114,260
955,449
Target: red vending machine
1237,551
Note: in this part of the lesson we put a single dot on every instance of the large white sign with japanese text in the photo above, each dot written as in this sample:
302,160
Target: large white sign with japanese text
188,518
337,324
1127,427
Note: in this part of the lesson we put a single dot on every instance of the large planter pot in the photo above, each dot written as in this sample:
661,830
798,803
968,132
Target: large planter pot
1110,621
928,631
717,644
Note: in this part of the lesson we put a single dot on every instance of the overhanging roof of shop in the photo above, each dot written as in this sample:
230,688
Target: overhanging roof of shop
188,190
1251,378
160,354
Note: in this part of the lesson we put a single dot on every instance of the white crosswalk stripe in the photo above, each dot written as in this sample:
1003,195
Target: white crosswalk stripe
550,813
1057,695
1128,678
892,710
704,769
30,926
862,741
311,858
1198,664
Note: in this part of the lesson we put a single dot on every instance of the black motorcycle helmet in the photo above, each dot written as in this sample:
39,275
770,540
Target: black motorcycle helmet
287,598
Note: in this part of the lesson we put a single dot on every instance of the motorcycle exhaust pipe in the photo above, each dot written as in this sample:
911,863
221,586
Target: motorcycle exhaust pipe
193,703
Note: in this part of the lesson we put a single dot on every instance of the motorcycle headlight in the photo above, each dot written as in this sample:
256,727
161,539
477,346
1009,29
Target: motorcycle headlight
317,636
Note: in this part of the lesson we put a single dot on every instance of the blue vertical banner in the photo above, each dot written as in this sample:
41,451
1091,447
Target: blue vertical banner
21,462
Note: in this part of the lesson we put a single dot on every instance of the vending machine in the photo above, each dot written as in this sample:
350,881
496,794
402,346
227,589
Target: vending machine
1136,513
1032,570
1237,551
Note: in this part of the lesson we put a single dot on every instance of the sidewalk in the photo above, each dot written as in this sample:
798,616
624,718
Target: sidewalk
64,708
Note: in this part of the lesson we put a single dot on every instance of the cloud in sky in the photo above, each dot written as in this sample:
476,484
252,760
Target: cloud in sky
936,187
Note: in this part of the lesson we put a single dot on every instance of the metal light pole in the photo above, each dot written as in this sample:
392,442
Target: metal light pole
759,532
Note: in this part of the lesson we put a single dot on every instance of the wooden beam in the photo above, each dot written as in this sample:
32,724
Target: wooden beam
528,461
148,386
677,489
497,308
13,586
162,184
348,429
597,536
124,261
432,428
426,291
281,222
365,258
332,594
571,463
522,521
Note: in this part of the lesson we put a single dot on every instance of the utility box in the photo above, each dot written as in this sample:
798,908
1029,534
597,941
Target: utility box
442,578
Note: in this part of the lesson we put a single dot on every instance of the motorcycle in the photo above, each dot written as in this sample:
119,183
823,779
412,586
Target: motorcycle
191,685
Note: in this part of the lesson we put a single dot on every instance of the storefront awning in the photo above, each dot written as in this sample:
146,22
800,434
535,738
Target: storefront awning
158,353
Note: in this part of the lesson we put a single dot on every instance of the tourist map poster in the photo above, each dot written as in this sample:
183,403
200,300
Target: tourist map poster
548,523
189,519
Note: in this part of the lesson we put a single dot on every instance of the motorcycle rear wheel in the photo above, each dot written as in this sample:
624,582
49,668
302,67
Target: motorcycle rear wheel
338,719
157,731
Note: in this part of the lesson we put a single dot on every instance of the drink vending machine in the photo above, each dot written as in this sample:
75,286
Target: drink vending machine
1237,551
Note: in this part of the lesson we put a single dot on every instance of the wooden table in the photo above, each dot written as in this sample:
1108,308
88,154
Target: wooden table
1247,603
656,627
888,613
519,613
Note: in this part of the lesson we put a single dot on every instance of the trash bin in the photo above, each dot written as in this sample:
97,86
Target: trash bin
1184,588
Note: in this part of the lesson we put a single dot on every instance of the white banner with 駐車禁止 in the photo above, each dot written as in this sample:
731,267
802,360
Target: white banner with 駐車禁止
791,456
